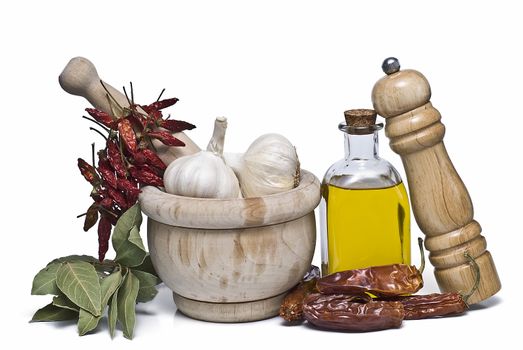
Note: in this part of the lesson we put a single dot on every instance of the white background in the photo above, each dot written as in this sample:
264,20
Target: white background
291,67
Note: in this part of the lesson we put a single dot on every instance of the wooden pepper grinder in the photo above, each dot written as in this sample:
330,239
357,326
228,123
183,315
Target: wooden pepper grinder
440,201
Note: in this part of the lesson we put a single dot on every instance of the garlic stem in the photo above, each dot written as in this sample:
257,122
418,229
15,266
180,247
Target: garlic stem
218,136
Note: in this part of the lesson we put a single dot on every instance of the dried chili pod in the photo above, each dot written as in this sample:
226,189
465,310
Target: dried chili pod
128,135
104,232
166,138
386,280
107,174
431,305
115,158
146,177
160,104
117,197
88,172
291,308
146,156
91,217
101,117
340,312
175,125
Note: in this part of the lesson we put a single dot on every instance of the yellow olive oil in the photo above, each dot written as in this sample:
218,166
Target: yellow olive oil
366,227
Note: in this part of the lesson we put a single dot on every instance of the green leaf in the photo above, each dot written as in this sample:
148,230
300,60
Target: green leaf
147,266
80,283
112,313
71,258
53,313
64,302
147,290
131,218
134,238
87,322
126,304
109,285
45,281
131,255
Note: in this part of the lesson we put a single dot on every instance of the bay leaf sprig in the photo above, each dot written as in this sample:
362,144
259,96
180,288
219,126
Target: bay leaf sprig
84,288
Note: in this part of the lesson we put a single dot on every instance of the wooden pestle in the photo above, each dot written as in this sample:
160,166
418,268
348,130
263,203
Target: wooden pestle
440,201
80,78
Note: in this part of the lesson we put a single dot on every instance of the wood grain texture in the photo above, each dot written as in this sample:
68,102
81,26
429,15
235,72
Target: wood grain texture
239,255
440,201
80,78
212,213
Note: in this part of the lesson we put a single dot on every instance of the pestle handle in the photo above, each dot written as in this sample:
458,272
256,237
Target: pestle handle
440,201
81,78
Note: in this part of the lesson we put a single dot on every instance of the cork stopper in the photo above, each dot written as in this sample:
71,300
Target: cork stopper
360,117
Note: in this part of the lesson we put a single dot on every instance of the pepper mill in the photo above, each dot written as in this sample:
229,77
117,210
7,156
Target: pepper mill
440,201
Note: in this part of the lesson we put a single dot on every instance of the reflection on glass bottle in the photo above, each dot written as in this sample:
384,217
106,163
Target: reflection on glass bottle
365,213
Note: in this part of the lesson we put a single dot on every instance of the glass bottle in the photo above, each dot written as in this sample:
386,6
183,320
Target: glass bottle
364,209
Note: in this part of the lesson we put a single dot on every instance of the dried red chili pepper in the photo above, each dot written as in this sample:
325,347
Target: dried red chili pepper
146,177
117,197
115,158
431,305
91,217
128,135
158,105
130,190
387,280
88,172
166,138
152,158
104,232
340,312
102,117
107,174
175,125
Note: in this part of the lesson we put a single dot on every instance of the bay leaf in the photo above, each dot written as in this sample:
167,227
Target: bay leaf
148,282
80,283
147,266
127,304
53,313
45,281
109,285
86,258
112,314
87,322
131,253
135,238
131,218
64,302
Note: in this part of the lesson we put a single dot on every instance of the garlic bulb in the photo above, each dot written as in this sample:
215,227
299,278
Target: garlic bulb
269,166
203,174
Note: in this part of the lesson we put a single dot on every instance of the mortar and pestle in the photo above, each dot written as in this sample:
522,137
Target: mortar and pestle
225,260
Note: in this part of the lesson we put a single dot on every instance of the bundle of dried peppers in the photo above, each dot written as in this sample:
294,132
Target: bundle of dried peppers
127,162
370,299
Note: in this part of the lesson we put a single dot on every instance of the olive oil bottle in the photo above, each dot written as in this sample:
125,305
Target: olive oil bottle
365,213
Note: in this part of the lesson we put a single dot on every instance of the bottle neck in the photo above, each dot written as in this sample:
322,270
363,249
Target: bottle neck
361,147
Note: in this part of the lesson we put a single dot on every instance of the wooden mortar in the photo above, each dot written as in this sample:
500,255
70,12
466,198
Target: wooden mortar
232,260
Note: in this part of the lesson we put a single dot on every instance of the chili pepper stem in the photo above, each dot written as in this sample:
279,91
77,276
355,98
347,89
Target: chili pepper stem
422,252
92,155
97,123
99,132
477,276
161,93
127,96
112,101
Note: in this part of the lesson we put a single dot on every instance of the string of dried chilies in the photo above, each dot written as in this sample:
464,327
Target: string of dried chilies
127,162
